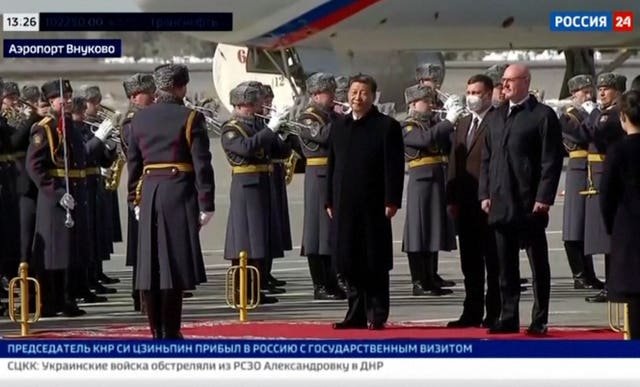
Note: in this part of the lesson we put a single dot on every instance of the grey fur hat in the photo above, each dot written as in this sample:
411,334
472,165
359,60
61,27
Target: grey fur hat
245,93
321,82
613,80
139,83
10,88
168,76
580,82
51,89
31,93
78,104
267,91
92,93
418,92
496,72
431,71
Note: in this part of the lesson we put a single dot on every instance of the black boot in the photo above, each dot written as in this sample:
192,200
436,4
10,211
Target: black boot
431,282
590,274
440,282
331,279
316,270
417,271
135,295
171,314
152,300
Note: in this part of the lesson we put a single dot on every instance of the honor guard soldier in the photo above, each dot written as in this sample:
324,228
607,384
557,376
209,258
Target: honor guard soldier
96,113
139,89
97,248
279,203
57,156
495,72
604,129
428,228
318,119
171,185
9,199
576,143
249,145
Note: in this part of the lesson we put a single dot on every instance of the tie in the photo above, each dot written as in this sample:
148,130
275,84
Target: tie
514,109
472,131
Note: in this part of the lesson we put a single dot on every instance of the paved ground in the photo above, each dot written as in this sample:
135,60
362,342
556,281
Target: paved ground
567,305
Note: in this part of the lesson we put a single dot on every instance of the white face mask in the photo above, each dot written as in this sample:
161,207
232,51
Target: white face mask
475,103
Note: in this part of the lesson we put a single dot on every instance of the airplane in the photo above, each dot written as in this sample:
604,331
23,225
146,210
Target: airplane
282,41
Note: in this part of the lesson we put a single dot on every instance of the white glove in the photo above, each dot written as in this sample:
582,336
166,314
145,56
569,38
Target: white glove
589,106
453,113
136,212
205,217
106,172
277,118
104,130
67,202
453,100
27,112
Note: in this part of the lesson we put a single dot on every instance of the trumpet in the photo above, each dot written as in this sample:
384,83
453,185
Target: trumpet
346,108
289,126
210,115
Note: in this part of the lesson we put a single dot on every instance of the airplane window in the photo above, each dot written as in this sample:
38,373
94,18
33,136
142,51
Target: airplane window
259,62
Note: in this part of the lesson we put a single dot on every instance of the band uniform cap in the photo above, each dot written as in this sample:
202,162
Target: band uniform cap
267,91
245,94
168,76
431,71
496,72
417,93
51,89
579,82
615,81
92,93
10,88
139,83
321,82
78,104
31,93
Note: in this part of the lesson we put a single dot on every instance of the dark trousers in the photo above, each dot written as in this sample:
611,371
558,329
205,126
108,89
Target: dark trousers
28,207
368,295
52,291
581,265
477,254
508,242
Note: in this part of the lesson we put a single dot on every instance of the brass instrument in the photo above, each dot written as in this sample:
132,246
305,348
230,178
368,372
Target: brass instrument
346,108
591,187
22,283
237,295
290,166
214,124
114,172
619,318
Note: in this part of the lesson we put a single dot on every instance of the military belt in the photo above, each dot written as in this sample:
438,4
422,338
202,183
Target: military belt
148,168
317,161
428,160
579,154
92,171
595,157
12,156
72,173
5,158
252,168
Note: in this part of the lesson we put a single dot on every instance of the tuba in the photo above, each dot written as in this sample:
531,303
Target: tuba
290,166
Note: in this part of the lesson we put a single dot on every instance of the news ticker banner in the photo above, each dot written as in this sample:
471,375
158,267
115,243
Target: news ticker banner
311,349
125,21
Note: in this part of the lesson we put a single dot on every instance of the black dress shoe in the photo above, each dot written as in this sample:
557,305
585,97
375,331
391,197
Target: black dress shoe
321,293
502,328
595,283
600,297
91,298
274,290
271,280
488,322
101,289
464,322
418,290
106,280
349,325
523,281
536,329
73,311
439,291
337,293
187,294
442,283
265,300
375,326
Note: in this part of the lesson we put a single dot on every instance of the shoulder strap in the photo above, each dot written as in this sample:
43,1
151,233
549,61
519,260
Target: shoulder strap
234,124
187,131
53,147
318,116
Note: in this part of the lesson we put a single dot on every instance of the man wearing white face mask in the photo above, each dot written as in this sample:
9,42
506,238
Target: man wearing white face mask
477,246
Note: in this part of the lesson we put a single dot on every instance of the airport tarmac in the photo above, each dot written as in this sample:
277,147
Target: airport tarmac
568,307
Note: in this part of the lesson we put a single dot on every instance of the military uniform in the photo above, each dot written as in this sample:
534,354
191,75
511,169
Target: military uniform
604,129
58,248
249,146
137,83
428,227
171,181
9,173
318,121
495,72
573,221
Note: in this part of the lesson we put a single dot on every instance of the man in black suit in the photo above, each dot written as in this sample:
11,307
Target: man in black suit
477,246
520,170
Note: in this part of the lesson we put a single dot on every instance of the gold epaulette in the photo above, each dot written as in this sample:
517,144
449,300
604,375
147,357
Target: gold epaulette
45,121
